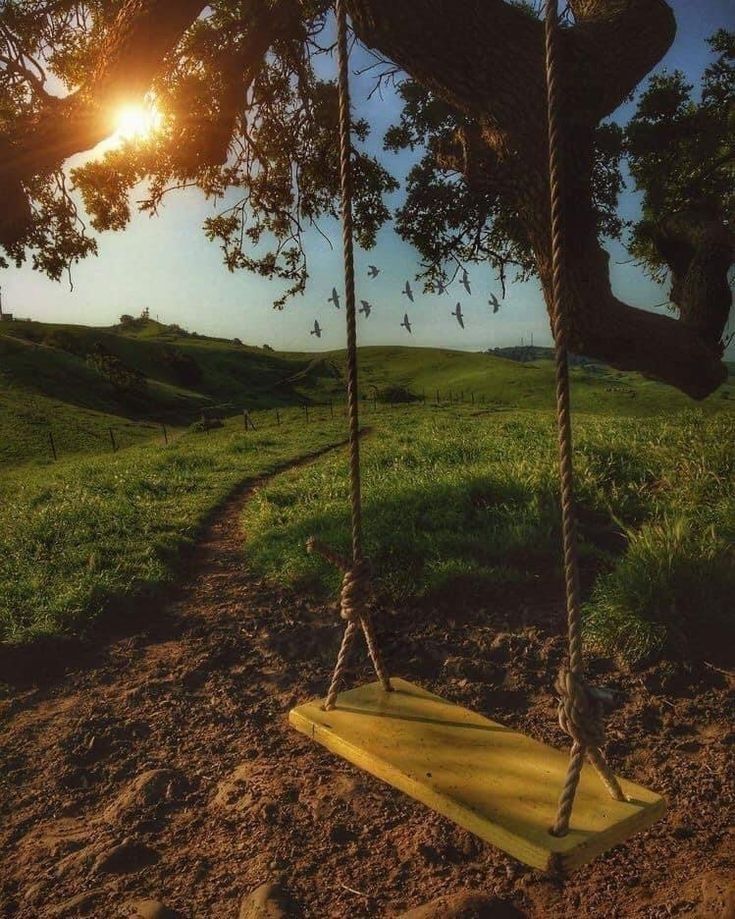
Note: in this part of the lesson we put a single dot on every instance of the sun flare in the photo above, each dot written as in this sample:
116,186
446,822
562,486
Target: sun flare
137,122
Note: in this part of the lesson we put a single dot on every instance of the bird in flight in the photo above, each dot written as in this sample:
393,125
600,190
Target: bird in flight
408,292
494,302
441,287
316,330
334,298
406,324
457,313
373,272
365,308
466,281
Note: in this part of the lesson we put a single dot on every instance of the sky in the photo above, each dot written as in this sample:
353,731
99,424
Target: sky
166,264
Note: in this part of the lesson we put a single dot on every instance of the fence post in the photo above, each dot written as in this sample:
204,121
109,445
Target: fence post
331,409
306,412
165,434
112,441
53,445
472,396
278,417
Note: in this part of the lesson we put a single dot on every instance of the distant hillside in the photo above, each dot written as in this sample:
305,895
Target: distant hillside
76,382
525,354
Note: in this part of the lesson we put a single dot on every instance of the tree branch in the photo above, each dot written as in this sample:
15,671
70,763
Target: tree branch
471,53
613,46
144,32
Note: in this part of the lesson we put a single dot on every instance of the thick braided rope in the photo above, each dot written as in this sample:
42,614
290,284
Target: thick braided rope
579,714
354,597
345,174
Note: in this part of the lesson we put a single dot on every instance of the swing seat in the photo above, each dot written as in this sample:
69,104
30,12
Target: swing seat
487,778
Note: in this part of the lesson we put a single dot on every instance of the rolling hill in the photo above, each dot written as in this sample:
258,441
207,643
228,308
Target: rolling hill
77,382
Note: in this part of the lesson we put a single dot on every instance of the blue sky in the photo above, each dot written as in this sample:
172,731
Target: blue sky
166,264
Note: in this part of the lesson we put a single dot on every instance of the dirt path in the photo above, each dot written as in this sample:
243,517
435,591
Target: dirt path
163,766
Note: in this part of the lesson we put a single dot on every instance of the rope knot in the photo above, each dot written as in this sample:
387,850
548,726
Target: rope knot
581,709
355,590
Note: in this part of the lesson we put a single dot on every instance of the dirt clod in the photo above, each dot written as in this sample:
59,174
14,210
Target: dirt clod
465,905
269,901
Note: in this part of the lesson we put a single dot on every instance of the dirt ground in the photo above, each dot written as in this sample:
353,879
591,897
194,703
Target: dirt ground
157,762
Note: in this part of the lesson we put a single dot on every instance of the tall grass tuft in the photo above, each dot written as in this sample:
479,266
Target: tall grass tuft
671,594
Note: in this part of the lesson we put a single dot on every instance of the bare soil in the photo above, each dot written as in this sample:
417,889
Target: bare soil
157,762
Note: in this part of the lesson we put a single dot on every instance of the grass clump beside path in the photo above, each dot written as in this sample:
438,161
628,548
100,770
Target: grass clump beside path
457,501
80,534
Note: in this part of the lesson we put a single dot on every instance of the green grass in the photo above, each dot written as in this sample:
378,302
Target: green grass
458,498
30,422
78,536
457,503
42,361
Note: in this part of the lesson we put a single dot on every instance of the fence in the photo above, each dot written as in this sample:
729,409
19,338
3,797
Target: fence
211,418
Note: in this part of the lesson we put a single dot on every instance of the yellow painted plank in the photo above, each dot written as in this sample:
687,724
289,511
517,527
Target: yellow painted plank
489,779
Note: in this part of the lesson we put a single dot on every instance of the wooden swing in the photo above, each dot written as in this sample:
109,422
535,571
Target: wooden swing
489,779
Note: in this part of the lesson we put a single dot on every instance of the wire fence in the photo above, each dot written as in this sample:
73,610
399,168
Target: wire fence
55,444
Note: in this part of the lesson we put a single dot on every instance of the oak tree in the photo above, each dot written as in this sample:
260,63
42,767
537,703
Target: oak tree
249,121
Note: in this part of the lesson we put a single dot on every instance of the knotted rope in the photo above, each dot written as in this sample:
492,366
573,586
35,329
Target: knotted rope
355,592
580,708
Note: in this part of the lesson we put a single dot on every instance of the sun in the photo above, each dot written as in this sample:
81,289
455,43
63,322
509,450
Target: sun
137,122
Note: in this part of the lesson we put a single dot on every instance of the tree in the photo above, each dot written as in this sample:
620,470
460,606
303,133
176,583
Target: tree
249,122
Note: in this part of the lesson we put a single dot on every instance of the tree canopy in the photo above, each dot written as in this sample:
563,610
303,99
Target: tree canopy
248,118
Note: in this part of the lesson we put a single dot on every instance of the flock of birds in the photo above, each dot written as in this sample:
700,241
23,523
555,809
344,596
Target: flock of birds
366,307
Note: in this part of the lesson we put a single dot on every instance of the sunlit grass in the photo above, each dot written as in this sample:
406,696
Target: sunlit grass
456,503
75,536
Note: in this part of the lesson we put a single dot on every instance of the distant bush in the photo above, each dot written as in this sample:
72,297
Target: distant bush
204,425
236,341
125,380
397,394
267,348
184,367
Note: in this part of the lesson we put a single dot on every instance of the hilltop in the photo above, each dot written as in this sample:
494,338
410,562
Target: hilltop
78,382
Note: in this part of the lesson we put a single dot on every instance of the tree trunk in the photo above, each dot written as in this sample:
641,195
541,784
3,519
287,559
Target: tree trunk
487,60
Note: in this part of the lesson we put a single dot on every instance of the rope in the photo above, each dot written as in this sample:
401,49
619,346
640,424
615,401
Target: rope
580,707
355,591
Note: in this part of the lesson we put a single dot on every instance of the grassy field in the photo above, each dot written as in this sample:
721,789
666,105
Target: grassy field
77,382
461,502
459,497
93,530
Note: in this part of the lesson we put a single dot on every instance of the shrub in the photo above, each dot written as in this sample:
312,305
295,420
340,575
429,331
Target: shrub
204,425
671,593
184,367
125,380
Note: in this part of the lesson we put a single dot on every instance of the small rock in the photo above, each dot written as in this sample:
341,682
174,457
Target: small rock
466,904
341,834
269,901
149,909
145,791
127,857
